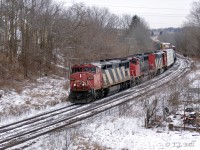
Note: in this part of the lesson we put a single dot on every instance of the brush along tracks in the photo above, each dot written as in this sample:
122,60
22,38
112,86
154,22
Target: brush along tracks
30,128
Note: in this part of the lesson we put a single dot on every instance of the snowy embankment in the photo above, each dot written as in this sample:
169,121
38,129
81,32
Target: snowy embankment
116,130
110,130
35,97
125,133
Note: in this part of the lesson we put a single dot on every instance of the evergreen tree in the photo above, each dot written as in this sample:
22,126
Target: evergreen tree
152,33
134,22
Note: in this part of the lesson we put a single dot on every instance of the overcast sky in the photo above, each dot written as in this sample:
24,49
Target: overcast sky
157,13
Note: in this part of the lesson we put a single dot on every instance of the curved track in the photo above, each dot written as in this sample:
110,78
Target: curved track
41,124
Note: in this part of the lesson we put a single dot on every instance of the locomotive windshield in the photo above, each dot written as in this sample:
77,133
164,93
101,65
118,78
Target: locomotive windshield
74,70
89,69
134,61
84,69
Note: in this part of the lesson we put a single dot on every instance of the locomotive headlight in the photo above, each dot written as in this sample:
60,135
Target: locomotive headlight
83,84
74,84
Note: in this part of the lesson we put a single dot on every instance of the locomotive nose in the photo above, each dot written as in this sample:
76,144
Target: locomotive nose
81,81
78,83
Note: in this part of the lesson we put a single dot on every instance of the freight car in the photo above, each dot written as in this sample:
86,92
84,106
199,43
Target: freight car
163,45
89,82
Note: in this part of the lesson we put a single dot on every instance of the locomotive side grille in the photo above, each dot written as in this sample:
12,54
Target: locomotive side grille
159,63
128,70
109,76
119,74
104,79
115,75
123,73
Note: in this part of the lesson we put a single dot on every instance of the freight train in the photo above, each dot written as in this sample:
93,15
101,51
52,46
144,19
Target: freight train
89,82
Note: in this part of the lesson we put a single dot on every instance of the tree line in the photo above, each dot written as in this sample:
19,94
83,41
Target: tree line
35,35
187,39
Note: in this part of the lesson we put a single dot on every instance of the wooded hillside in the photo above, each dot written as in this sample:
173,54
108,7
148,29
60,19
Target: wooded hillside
35,35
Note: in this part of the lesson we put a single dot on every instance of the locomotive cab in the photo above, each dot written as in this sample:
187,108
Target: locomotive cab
135,67
135,70
88,68
84,81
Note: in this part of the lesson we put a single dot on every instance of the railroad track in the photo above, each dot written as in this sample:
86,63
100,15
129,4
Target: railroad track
30,128
12,126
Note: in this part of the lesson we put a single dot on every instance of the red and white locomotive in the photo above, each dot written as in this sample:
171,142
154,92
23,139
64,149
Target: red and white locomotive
89,82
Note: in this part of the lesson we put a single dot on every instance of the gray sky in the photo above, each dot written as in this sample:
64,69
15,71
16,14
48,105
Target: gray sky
157,13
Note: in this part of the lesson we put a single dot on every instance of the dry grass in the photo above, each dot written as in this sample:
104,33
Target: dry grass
66,86
84,143
7,84
14,83
35,100
58,71
52,103
11,76
14,111
196,59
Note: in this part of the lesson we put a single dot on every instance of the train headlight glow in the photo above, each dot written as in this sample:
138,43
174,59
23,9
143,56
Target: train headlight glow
74,84
83,84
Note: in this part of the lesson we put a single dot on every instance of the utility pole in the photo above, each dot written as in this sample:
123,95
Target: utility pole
146,111
184,107
197,110
163,107
184,116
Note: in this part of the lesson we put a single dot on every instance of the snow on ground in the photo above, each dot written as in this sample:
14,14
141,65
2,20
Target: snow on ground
124,133
128,131
115,132
194,76
112,131
45,93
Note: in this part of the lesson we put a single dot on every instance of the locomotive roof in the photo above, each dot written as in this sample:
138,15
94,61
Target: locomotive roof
159,52
165,43
115,61
109,62
98,64
169,49
82,65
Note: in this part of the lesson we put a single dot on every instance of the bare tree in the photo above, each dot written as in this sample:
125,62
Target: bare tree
187,41
151,109
194,17
36,34
177,89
